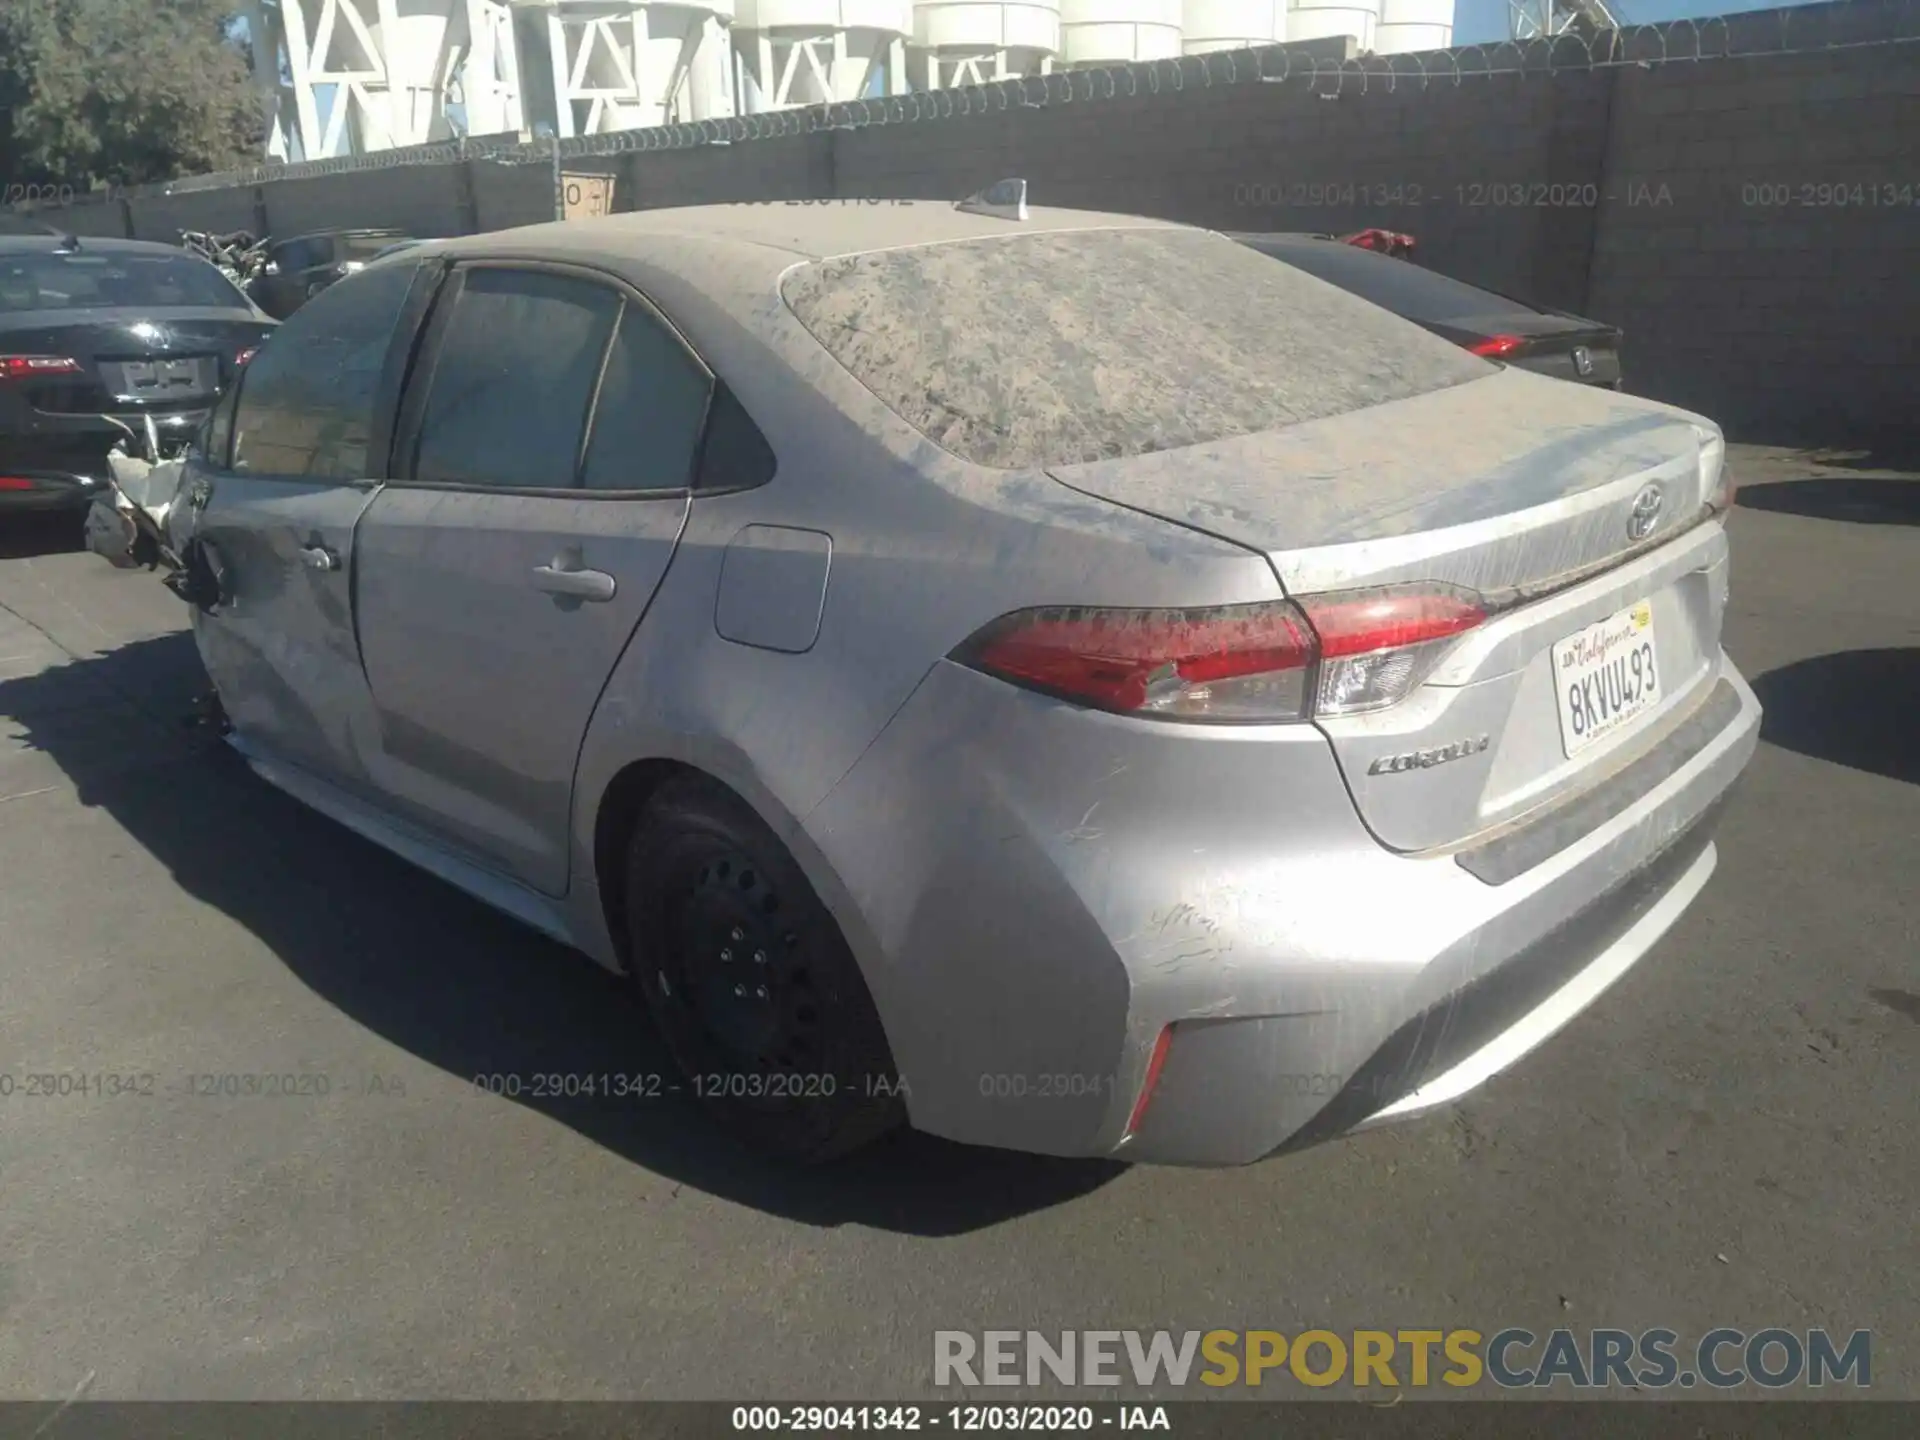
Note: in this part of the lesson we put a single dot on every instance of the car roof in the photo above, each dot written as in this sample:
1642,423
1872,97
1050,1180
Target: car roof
338,230
811,230
98,245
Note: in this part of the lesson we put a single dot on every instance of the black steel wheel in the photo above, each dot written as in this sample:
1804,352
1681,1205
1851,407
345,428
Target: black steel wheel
750,981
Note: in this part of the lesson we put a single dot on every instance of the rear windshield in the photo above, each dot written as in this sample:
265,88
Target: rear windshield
1066,347
1402,287
49,281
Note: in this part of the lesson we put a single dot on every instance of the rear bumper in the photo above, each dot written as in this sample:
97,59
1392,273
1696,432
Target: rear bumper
61,460
1481,1029
23,489
1036,893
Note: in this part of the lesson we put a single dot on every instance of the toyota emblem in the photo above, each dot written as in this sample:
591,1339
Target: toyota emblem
1645,513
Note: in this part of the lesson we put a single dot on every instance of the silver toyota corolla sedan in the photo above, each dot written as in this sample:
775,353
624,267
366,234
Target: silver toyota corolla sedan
1059,680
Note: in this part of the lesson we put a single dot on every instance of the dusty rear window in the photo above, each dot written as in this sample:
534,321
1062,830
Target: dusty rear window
1064,347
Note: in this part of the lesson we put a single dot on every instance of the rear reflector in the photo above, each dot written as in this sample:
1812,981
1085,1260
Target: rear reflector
22,367
1155,1064
1337,654
1496,347
15,482
245,355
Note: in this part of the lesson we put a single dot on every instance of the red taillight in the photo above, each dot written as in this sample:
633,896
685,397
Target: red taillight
1156,1062
24,367
1361,650
245,355
1376,646
1239,662
1355,624
1495,347
15,482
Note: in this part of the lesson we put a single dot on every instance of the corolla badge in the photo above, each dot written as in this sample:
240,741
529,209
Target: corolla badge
1645,513
1427,759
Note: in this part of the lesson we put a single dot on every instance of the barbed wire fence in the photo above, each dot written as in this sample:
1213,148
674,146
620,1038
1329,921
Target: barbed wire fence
1854,24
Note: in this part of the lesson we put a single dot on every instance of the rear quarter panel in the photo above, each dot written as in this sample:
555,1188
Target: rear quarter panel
925,550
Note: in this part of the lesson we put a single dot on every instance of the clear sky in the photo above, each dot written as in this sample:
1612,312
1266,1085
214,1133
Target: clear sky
1476,22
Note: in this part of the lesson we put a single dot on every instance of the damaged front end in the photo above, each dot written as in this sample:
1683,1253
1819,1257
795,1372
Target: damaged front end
146,520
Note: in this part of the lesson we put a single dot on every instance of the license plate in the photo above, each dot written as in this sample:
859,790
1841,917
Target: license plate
142,378
1605,677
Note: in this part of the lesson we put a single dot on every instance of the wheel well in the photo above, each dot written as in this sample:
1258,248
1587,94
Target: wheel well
620,807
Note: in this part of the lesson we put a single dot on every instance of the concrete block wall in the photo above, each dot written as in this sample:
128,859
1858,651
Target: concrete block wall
1760,239
1694,204
421,199
163,217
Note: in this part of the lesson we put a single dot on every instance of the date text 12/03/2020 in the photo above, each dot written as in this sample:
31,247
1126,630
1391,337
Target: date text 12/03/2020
839,1419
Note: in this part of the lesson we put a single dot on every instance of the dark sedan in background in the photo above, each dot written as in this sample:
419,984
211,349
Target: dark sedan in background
1499,327
96,328
301,266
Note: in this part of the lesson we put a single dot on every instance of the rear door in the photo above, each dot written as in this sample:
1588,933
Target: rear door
546,458
278,510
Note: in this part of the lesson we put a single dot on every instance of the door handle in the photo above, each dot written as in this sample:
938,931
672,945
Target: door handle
319,557
595,585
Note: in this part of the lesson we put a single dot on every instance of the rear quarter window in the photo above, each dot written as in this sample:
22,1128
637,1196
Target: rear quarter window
1067,347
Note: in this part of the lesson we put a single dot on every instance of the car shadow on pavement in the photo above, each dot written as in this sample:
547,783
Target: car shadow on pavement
1861,499
1853,708
29,535
449,980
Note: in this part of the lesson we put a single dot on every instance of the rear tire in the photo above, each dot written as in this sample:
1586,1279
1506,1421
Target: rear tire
755,992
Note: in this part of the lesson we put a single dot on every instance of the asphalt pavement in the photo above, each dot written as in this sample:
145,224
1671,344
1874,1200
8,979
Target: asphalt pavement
1727,1138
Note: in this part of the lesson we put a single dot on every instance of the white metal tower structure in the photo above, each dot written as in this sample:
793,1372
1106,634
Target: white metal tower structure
1407,26
1210,25
814,52
1542,19
964,42
1330,19
348,76
1118,32
623,65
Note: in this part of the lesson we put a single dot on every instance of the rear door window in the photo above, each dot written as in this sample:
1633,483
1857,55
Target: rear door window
298,255
513,376
1065,347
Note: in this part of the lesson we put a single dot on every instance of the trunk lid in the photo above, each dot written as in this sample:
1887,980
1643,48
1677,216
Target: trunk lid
134,360
1512,483
1566,347
1523,490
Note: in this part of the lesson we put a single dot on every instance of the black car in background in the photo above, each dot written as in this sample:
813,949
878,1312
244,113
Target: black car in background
90,328
301,266
1552,342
